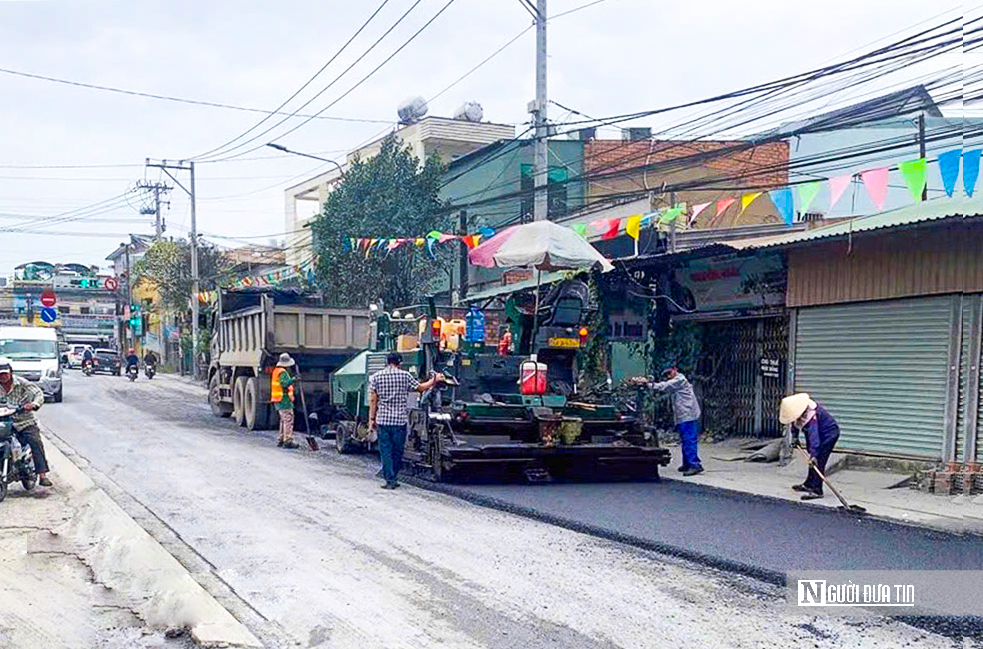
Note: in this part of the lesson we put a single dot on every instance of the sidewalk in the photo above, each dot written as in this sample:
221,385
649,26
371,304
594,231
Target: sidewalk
865,487
78,572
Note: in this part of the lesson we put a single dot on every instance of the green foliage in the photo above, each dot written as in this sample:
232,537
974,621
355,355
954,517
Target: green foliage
167,266
388,196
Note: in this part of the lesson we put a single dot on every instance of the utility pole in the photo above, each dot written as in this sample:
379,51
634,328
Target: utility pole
541,196
158,189
129,298
921,149
463,293
188,166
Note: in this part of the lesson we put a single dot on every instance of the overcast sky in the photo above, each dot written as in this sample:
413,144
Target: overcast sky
616,57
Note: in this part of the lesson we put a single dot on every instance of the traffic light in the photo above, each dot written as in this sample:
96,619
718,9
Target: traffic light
87,282
136,320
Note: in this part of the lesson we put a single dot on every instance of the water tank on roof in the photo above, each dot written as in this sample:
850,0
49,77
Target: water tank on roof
412,109
470,111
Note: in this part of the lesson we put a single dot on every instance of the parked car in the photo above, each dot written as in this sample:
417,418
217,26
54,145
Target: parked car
108,361
33,353
75,355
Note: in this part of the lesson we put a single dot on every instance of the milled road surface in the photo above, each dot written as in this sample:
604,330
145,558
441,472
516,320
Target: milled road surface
314,554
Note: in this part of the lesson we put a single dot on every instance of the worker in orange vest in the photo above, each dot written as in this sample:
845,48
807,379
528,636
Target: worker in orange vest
282,396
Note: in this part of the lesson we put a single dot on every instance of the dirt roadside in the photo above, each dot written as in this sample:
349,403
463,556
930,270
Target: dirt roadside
77,571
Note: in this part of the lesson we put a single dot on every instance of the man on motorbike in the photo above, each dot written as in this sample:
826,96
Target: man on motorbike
18,392
87,357
131,359
150,358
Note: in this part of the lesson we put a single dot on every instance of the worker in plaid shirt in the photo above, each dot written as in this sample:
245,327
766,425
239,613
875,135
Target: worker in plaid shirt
388,412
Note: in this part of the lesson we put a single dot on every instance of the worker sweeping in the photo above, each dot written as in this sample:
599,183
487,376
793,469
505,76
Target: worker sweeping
821,433
686,412
282,396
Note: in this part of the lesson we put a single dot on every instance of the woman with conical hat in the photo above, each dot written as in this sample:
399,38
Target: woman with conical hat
821,433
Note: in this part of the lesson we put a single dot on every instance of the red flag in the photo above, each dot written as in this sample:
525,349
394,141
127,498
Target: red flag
723,204
611,228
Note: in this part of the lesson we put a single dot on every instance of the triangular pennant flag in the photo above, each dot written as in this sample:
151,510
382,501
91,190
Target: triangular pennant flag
784,203
837,186
807,194
434,234
486,232
747,199
431,247
368,248
649,218
949,168
471,241
633,225
723,204
419,242
670,215
971,170
580,228
914,172
393,244
696,211
444,238
611,228
875,180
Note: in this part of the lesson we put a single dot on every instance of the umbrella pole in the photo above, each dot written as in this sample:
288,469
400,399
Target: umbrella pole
535,317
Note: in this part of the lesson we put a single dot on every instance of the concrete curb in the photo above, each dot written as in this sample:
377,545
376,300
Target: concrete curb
124,556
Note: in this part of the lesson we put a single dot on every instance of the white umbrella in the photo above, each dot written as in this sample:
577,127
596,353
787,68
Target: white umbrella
542,245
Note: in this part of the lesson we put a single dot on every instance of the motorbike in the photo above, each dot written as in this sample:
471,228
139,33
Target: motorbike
15,465
88,367
150,370
132,372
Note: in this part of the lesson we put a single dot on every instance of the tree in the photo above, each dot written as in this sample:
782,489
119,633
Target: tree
167,266
388,196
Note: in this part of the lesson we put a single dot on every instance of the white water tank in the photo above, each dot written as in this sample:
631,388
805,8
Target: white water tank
411,110
470,111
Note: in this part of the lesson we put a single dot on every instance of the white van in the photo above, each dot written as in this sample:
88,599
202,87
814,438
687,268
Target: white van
33,352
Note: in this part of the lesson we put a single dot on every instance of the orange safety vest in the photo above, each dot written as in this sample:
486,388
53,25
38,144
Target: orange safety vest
276,390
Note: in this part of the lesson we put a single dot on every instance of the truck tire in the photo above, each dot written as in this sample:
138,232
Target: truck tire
257,412
238,401
219,409
343,438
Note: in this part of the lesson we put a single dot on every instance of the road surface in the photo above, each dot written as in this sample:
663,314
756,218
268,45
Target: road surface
316,555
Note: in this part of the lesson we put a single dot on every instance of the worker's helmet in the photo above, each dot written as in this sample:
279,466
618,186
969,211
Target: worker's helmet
6,366
132,351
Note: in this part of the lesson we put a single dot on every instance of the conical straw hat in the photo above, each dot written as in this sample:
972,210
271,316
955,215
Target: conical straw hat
793,406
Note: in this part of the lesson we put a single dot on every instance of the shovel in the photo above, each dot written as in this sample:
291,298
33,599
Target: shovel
854,509
311,442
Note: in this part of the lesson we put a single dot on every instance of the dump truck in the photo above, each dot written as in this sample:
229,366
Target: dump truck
479,419
251,327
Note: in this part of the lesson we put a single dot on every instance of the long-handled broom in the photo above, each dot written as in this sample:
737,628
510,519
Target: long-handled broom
854,509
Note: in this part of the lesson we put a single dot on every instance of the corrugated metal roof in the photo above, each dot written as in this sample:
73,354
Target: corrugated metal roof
547,279
921,212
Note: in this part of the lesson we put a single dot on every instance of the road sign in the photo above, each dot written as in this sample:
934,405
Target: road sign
48,298
111,284
48,314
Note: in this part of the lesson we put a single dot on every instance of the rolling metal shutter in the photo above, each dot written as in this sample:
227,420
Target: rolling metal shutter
962,418
881,370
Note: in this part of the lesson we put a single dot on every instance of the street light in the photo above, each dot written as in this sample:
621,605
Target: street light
280,147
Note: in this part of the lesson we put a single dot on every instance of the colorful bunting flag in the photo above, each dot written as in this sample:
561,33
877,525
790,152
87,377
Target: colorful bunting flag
784,203
610,226
807,194
633,225
580,228
837,186
723,204
746,200
432,247
875,180
914,172
471,241
486,232
949,168
971,170
696,211
670,215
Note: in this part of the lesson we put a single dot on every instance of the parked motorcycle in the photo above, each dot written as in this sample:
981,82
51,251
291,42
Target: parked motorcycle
132,372
15,465
150,370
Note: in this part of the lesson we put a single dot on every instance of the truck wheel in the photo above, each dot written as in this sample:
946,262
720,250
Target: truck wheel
219,409
238,399
343,438
257,413
3,489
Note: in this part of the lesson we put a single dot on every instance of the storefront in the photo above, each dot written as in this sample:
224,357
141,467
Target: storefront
885,328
